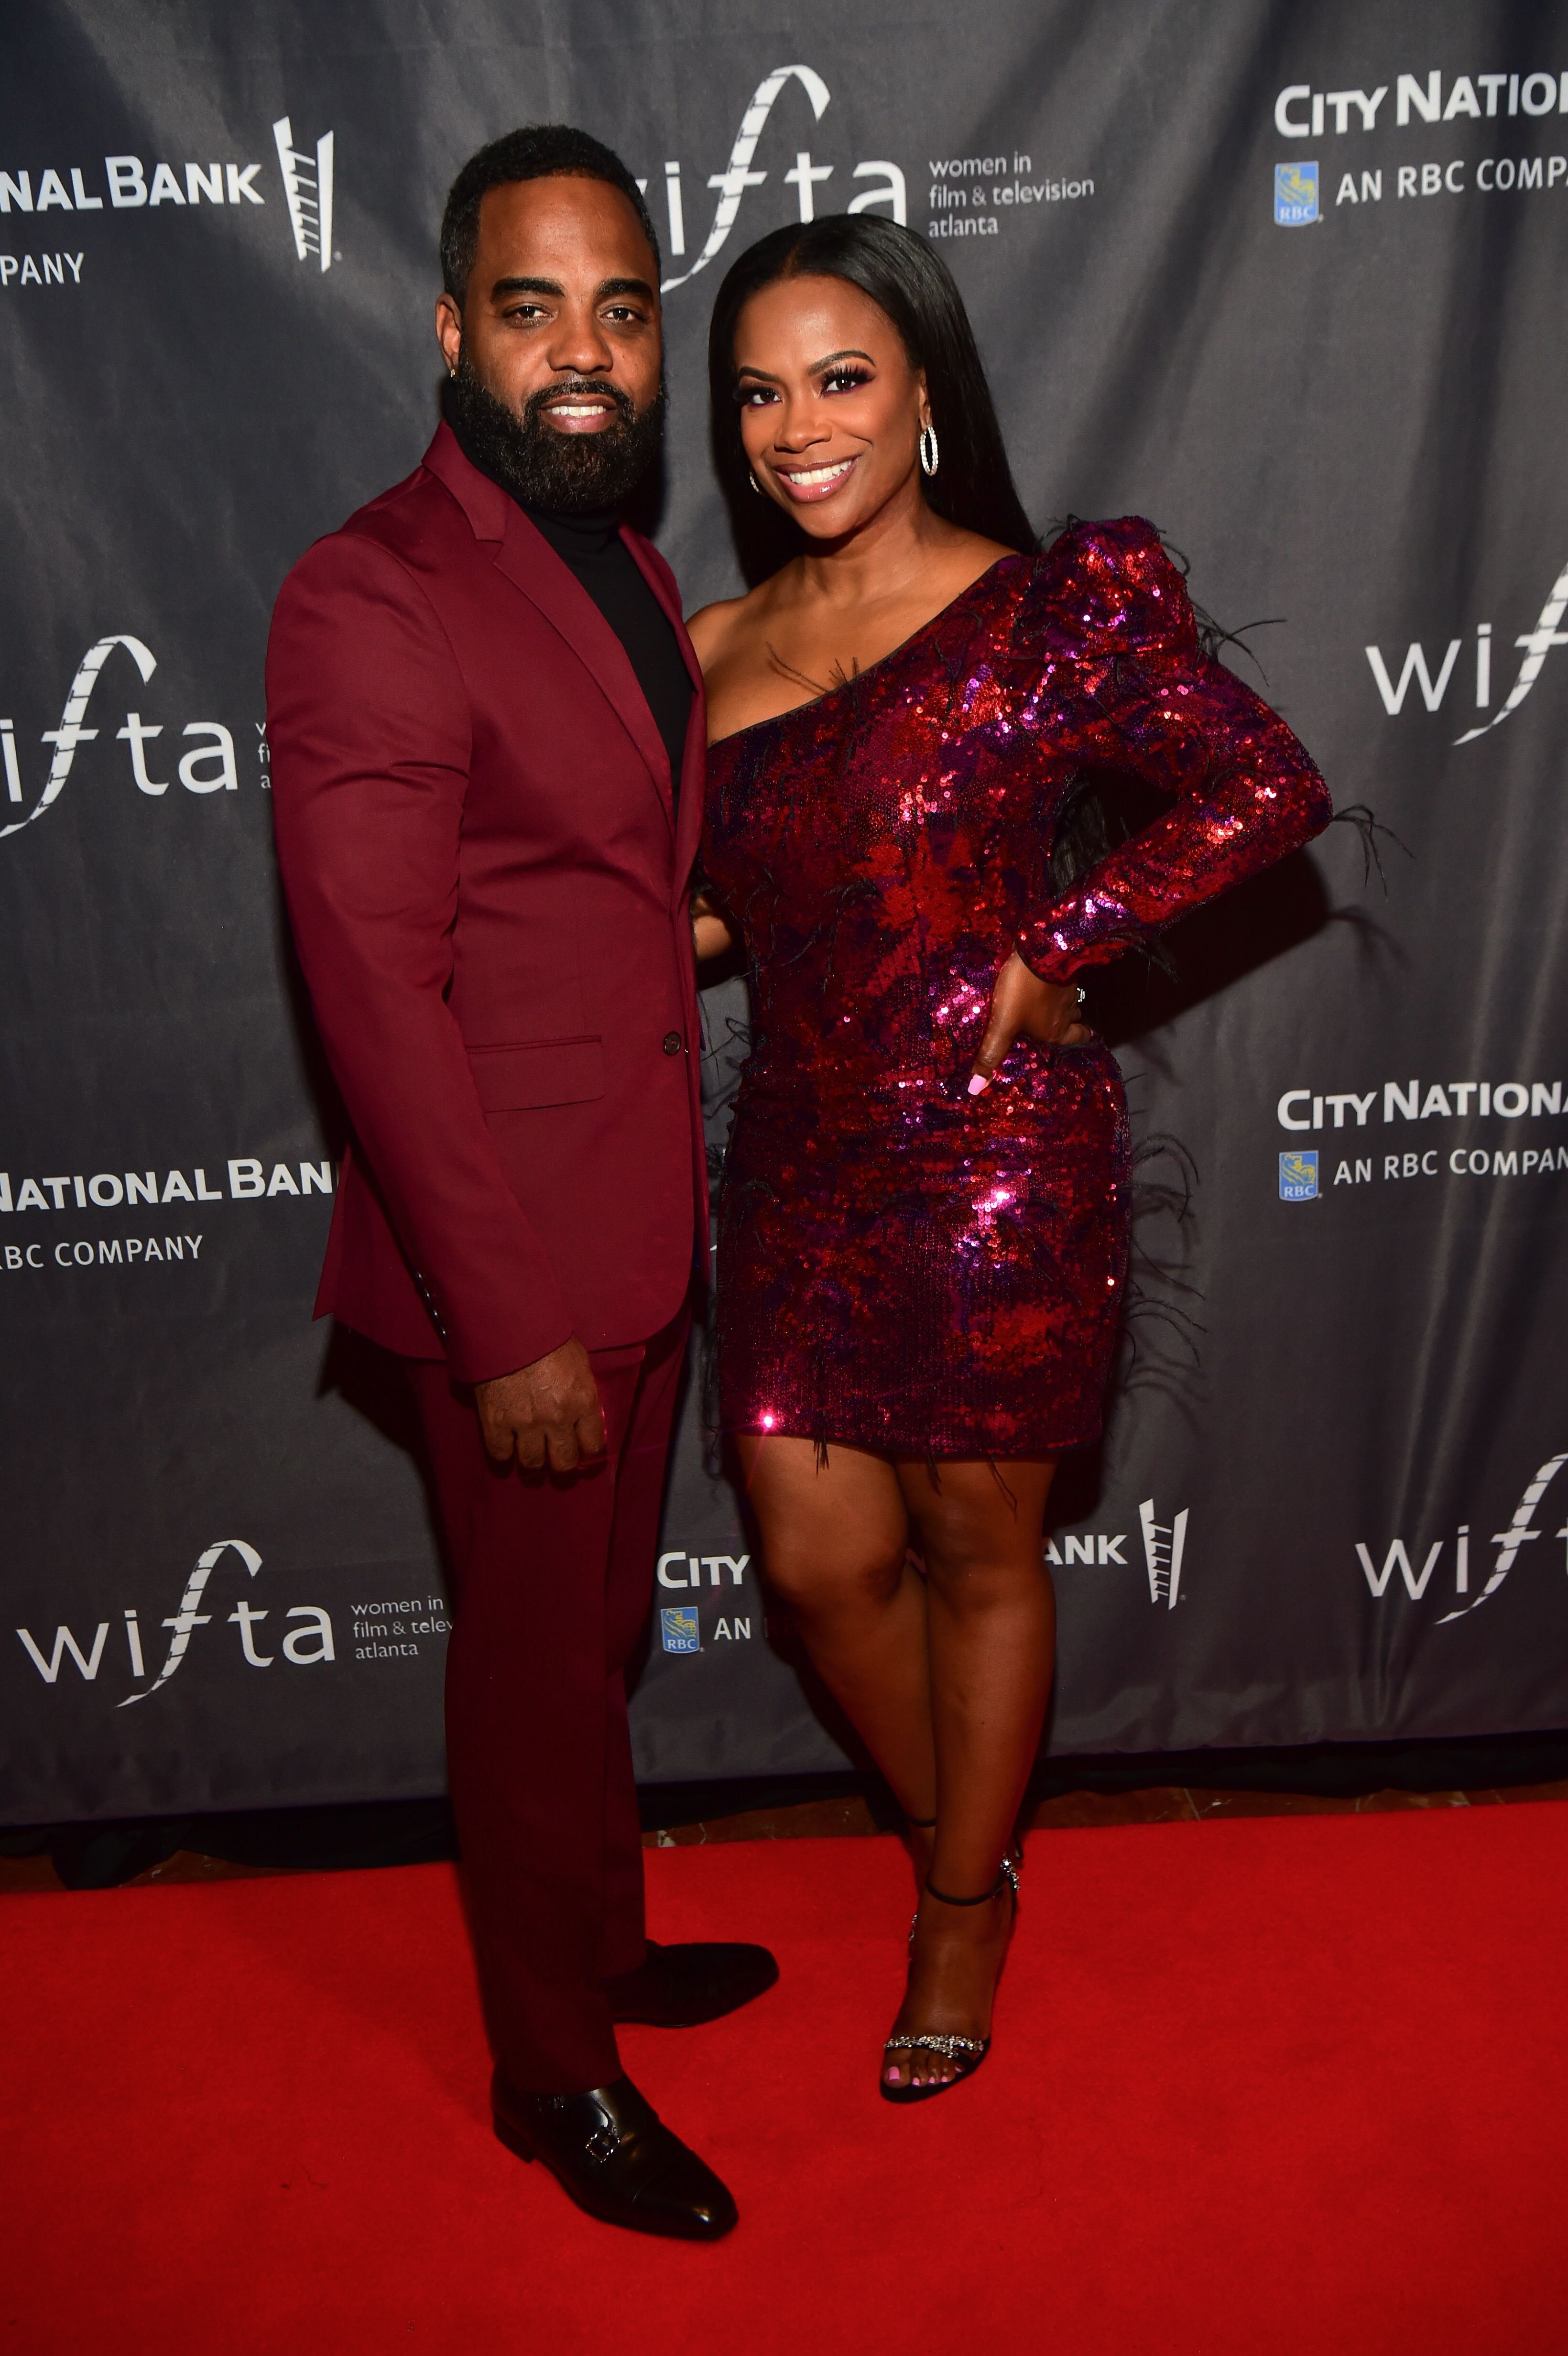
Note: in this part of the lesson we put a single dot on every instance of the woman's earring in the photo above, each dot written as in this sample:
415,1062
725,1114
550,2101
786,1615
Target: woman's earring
753,482
930,455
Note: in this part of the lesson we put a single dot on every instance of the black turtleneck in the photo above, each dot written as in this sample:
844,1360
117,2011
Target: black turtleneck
591,546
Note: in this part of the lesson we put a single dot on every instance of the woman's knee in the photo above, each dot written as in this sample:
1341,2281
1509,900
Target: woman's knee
969,1577
820,1582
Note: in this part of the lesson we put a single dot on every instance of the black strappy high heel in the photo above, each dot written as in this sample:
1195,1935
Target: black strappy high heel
965,2053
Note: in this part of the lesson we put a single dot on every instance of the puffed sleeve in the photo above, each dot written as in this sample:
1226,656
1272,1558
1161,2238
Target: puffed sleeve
1109,633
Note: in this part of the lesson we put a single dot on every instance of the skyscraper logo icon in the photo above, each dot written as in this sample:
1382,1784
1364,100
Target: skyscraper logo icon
307,182
1165,1543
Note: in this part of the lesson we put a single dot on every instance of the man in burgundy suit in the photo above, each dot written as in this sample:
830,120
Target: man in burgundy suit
487,742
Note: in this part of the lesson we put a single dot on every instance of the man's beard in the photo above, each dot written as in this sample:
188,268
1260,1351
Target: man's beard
566,474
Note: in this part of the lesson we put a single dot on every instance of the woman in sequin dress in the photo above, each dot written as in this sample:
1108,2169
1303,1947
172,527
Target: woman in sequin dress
922,1228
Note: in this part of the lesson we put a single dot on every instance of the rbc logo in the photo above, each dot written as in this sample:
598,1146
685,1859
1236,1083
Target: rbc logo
1295,201
1298,1177
677,1627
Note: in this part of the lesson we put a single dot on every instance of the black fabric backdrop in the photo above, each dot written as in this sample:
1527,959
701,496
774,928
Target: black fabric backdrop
1286,278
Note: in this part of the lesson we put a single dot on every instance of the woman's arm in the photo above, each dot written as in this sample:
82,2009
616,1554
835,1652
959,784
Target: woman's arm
1246,792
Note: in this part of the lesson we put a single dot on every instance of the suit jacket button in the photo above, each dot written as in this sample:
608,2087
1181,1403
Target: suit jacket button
673,1043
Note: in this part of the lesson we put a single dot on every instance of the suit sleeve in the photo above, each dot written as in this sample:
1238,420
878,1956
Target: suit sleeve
1245,792
368,725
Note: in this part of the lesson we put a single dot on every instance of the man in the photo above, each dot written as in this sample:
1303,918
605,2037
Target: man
487,741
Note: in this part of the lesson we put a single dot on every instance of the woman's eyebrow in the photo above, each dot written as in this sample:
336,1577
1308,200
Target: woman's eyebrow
744,367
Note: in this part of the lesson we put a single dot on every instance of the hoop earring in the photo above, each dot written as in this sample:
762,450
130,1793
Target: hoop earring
755,485
930,455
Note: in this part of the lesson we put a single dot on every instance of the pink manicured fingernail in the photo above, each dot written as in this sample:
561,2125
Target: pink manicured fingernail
979,1084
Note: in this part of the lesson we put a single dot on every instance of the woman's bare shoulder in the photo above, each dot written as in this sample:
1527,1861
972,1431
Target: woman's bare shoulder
709,626
719,631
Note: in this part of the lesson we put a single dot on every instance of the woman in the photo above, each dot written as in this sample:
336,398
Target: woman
922,1233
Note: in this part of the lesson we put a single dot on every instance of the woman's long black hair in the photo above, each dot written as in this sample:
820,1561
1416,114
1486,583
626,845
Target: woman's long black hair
973,486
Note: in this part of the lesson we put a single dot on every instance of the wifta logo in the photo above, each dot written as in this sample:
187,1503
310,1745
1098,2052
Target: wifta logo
1417,1567
886,184
305,1646
208,764
1433,676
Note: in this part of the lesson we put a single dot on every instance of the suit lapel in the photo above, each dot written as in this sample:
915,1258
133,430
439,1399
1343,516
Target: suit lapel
694,765
529,562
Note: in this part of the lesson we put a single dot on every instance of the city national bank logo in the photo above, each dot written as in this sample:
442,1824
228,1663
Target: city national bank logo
886,184
679,1624
1163,1550
118,184
306,1646
1417,1568
678,1629
1298,1177
1295,195
1432,677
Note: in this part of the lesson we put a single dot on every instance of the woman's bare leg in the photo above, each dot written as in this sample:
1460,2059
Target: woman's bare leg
836,1547
991,1627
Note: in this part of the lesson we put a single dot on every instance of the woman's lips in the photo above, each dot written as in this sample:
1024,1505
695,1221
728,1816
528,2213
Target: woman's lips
811,483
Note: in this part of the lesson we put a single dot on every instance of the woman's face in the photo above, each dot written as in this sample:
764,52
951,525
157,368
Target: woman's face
831,410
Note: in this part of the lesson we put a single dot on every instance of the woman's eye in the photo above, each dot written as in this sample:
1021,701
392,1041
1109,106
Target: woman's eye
755,396
844,381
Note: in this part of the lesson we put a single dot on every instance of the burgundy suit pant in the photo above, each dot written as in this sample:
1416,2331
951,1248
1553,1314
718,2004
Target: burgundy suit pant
554,1582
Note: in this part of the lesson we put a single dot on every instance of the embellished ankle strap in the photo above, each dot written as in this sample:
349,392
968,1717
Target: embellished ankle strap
1001,1882
1007,1879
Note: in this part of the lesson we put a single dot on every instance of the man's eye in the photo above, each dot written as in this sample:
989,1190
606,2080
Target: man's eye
621,312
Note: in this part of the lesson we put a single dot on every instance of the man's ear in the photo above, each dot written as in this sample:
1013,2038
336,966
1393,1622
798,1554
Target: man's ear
448,330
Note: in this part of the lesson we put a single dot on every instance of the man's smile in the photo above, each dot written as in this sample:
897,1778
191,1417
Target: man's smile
580,412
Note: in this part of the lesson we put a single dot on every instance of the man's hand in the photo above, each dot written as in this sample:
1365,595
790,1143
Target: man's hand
1024,1007
546,1414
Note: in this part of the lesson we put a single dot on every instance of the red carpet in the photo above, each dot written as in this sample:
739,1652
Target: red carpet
1277,2087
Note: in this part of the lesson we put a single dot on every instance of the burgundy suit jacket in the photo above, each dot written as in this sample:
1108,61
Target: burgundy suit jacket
488,894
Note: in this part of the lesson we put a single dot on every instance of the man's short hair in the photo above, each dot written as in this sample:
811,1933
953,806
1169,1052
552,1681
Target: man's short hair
539,151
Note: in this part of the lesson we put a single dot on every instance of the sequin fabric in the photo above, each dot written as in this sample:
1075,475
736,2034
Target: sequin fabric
902,1266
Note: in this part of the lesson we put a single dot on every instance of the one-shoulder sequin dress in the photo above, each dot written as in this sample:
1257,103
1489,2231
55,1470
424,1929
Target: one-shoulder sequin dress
902,1266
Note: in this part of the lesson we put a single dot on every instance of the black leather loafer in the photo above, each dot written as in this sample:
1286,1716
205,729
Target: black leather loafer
678,1987
610,2149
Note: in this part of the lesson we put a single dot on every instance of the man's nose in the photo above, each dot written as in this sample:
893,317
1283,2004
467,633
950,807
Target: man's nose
579,345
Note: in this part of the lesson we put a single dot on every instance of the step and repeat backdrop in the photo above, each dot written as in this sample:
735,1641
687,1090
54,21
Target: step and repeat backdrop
1281,274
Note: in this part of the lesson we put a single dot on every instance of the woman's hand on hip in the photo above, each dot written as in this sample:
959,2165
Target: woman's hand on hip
712,934
1024,1007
